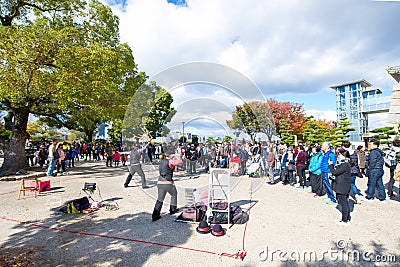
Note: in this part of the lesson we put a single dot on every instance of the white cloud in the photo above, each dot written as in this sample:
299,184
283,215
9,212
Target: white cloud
292,47
377,120
328,115
282,45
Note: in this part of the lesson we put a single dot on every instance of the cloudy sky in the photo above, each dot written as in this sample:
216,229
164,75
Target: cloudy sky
292,50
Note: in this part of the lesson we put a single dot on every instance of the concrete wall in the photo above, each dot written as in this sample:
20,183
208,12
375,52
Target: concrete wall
394,111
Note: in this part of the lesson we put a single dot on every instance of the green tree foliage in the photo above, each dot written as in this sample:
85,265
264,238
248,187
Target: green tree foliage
227,139
4,133
385,136
19,11
115,132
160,114
66,64
252,118
318,132
286,132
211,140
342,130
40,131
148,113
76,136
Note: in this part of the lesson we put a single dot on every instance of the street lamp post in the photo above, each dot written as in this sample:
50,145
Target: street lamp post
183,132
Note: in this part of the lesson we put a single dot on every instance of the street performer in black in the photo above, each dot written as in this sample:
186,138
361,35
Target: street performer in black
166,185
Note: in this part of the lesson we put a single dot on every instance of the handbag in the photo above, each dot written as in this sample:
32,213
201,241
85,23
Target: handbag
291,167
176,161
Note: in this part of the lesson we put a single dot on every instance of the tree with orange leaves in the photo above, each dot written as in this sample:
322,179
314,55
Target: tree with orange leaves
292,113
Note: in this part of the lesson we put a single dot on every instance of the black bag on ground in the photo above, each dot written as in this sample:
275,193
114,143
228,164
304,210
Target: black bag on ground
76,205
238,216
220,217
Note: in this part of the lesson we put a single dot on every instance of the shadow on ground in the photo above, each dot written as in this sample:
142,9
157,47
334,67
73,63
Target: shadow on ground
120,244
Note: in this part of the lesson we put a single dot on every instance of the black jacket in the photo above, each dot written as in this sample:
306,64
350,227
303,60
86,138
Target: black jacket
166,172
342,174
193,155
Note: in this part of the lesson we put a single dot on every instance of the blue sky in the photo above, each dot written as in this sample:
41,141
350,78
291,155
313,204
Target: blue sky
178,2
293,50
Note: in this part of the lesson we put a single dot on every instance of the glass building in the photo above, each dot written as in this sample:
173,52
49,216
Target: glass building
355,100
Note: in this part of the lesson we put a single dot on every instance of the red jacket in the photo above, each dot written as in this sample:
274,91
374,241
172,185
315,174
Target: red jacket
235,159
301,159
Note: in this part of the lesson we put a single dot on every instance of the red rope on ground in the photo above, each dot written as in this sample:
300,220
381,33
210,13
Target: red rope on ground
242,253
234,256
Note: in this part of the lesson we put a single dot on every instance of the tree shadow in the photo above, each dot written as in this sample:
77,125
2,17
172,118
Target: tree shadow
88,240
352,255
53,190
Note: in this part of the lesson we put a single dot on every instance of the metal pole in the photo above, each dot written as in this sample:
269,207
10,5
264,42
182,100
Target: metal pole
183,132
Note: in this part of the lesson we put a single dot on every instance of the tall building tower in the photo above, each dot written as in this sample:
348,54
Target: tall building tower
394,112
355,100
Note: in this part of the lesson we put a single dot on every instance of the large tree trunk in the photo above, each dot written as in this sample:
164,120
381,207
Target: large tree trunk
89,136
15,158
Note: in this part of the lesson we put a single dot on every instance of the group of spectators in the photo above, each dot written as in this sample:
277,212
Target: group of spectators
59,156
331,172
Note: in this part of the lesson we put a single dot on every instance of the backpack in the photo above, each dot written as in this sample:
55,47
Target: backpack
77,205
238,216
390,159
71,208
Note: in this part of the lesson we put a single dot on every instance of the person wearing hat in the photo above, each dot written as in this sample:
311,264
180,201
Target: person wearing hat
193,157
288,162
166,185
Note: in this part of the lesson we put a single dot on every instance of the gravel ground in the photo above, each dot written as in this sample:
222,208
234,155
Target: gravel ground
283,220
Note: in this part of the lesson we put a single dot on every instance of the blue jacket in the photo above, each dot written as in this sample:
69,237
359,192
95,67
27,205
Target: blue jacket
285,161
375,160
315,163
325,159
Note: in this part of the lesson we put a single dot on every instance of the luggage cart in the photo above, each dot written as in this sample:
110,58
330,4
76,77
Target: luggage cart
219,196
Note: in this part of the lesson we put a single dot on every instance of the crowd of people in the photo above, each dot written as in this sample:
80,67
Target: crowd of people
330,172
58,157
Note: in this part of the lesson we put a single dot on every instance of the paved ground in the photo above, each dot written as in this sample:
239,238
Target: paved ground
283,220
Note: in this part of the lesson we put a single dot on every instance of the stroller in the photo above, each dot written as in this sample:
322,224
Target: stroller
256,169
